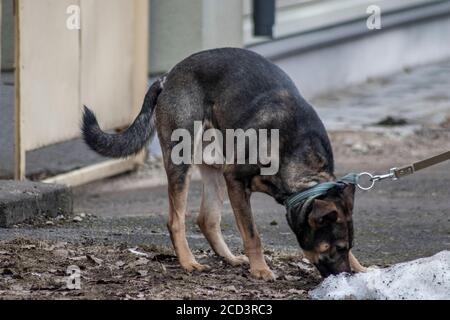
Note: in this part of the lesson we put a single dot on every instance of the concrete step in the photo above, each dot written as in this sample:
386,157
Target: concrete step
22,201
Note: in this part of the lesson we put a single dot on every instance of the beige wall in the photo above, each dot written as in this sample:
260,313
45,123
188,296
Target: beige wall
104,66
180,28
107,58
49,73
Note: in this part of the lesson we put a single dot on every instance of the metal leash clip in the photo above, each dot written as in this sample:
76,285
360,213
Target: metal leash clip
366,181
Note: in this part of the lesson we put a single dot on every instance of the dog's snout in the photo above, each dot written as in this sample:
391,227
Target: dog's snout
328,265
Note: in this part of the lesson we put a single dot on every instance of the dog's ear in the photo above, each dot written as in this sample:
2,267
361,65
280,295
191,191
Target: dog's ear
306,210
323,213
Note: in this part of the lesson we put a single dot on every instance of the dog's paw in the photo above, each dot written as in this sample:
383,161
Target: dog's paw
237,261
195,266
263,274
361,269
373,268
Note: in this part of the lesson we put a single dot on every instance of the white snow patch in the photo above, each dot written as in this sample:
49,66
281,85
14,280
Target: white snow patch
423,279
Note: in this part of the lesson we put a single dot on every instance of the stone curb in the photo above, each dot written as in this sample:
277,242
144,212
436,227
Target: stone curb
22,201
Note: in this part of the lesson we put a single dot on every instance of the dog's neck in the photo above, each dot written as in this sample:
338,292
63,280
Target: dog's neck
281,187
305,182
302,167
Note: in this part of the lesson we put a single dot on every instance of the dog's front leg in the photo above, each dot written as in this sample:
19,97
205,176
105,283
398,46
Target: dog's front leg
355,265
240,201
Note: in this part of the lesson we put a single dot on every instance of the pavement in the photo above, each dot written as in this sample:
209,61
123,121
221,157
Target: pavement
395,222
421,96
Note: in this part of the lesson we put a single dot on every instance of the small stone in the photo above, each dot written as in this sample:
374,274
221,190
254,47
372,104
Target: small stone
375,145
230,289
143,273
28,247
81,258
297,292
60,245
82,215
94,259
77,219
360,148
16,287
50,223
61,253
392,121
348,142
141,262
291,278
138,263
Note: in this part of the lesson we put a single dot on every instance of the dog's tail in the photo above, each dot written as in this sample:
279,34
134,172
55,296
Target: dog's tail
133,139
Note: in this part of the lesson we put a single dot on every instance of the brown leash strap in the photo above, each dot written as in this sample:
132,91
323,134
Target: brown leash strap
420,165
366,181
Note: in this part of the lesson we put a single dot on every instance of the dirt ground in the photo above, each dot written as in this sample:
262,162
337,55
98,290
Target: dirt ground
38,270
124,253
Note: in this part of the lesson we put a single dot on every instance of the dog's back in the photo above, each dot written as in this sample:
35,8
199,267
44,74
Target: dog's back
233,88
235,83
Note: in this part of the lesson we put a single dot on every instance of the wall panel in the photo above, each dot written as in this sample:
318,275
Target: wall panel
49,73
101,66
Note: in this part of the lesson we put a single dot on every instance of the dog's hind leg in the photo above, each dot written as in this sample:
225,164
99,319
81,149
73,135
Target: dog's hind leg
214,192
179,180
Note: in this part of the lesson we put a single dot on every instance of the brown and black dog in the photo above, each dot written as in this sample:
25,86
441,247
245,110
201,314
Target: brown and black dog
237,89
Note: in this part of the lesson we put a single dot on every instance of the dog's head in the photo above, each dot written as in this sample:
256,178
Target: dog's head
324,229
